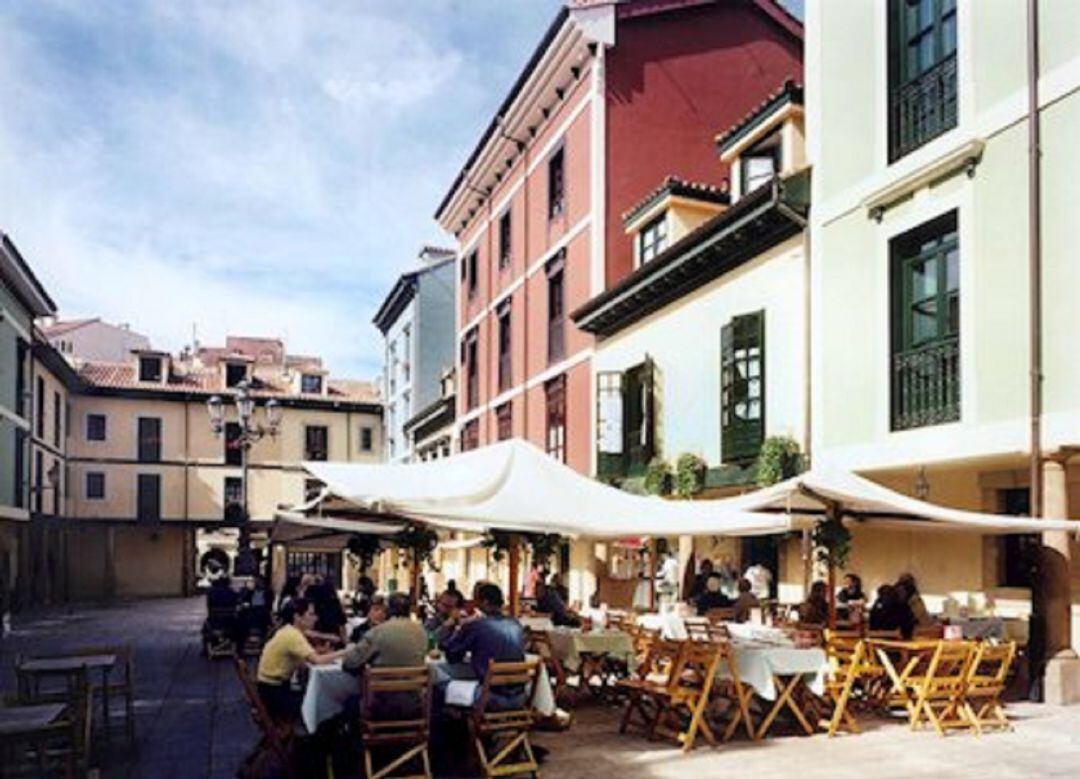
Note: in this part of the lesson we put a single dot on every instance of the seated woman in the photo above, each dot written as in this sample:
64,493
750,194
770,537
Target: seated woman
889,612
712,597
283,654
548,601
907,591
745,602
815,609
852,591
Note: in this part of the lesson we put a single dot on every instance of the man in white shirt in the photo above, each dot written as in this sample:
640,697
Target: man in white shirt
760,578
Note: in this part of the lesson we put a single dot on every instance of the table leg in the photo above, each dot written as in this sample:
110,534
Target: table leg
785,699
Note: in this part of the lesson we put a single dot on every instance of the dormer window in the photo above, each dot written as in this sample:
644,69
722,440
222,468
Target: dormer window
759,164
235,372
150,369
652,240
311,384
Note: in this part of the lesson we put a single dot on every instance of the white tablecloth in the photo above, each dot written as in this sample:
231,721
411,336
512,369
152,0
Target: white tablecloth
757,664
671,626
569,644
327,690
329,687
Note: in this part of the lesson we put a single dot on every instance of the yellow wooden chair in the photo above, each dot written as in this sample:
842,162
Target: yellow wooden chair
986,681
644,690
684,703
507,731
939,695
405,694
852,667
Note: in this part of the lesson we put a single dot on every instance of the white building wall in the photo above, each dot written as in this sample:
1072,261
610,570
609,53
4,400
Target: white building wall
684,341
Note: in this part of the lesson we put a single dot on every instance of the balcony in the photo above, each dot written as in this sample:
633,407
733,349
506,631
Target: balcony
926,385
923,108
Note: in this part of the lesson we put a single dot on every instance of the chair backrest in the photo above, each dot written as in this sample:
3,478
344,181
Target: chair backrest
949,666
507,675
990,666
930,632
259,714
720,615
125,657
885,635
841,646
661,659
696,667
405,715
697,628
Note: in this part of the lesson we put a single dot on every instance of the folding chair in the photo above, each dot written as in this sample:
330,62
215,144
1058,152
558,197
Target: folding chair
274,736
851,664
697,628
654,675
986,681
61,747
507,730
538,643
686,699
405,694
939,695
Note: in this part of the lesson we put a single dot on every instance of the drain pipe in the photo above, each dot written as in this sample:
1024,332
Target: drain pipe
1034,259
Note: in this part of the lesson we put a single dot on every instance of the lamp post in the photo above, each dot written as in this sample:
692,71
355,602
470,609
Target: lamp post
250,432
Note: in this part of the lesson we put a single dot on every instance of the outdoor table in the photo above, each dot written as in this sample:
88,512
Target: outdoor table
901,659
572,645
778,673
536,623
980,627
330,686
63,665
20,720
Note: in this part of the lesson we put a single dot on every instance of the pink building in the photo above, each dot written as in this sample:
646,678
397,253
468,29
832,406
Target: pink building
617,96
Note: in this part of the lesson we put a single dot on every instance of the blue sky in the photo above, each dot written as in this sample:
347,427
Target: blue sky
260,169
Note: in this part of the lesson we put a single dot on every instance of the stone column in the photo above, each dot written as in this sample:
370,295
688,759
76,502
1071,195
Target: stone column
1062,676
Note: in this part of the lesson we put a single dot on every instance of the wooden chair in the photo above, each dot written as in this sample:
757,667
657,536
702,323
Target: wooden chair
987,678
643,691
685,700
405,688
853,672
119,684
507,730
697,628
720,615
277,737
939,695
539,643
62,746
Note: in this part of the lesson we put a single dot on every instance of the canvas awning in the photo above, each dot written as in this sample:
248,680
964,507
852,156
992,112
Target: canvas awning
514,486
299,531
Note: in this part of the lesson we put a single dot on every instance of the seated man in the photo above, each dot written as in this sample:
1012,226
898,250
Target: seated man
397,642
548,601
221,611
712,597
444,620
489,636
283,654
746,601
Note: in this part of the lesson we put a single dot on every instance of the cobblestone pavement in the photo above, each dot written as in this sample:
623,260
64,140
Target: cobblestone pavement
192,722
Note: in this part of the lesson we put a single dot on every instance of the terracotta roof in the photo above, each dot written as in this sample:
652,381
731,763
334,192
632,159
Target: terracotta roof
60,327
187,379
673,185
789,92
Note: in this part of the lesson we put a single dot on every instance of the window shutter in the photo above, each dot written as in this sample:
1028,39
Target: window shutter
742,382
653,421
610,450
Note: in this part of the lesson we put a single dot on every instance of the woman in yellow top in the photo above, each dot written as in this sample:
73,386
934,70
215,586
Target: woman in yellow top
283,654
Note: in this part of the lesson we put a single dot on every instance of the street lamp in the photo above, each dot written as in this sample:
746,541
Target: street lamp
250,431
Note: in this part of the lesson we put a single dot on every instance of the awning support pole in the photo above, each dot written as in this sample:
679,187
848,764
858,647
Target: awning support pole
515,563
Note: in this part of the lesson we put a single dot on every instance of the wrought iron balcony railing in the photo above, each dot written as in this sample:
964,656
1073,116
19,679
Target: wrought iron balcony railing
926,385
923,108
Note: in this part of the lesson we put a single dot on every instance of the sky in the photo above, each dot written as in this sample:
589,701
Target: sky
259,169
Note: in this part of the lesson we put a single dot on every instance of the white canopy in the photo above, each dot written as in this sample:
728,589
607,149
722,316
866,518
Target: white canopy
514,486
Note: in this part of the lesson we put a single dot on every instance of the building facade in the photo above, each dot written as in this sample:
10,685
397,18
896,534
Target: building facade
417,323
702,349
616,97
22,299
92,339
918,133
155,494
